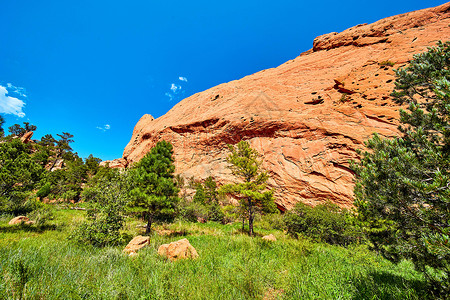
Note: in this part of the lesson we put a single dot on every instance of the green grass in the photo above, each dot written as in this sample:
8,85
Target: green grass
231,266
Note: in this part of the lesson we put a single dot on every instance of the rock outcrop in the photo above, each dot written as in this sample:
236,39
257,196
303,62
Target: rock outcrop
55,164
306,117
136,244
270,238
26,138
20,220
178,250
115,163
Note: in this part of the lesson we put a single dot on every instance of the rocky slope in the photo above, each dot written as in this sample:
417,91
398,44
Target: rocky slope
306,117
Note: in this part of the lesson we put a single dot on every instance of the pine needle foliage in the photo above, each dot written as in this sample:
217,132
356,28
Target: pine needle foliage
403,185
106,199
251,186
19,175
155,193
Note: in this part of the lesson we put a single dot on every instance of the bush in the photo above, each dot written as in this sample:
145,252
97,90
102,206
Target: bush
231,212
272,221
195,211
106,200
101,231
72,194
200,196
44,191
215,213
19,175
386,63
344,98
325,222
41,215
205,204
191,211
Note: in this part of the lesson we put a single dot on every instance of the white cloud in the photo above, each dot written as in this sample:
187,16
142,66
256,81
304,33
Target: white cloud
20,91
170,96
10,105
175,88
104,128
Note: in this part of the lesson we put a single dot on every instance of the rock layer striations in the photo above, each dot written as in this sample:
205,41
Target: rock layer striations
306,117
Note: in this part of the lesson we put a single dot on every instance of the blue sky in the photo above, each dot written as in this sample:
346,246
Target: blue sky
93,68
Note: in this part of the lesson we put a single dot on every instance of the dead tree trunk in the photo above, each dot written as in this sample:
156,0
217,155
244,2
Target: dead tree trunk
250,217
149,224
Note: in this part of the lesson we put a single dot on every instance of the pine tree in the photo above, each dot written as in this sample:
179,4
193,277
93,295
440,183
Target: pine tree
93,164
206,192
19,175
403,185
2,131
251,188
19,131
61,146
155,193
200,196
48,141
106,199
211,193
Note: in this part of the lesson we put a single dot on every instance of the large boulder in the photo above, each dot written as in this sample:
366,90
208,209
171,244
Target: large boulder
26,138
178,250
20,220
136,244
269,237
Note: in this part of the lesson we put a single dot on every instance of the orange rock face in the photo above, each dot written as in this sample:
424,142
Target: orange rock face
306,117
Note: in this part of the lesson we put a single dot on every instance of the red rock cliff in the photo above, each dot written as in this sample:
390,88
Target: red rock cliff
306,117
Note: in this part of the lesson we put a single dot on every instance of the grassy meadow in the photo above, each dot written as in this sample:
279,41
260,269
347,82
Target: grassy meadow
42,263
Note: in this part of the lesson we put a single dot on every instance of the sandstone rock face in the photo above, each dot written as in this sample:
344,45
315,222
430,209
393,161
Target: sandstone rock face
26,138
115,163
178,250
54,165
136,244
306,117
269,237
19,220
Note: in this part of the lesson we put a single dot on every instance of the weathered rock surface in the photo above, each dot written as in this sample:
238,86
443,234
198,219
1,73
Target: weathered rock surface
115,163
136,244
178,250
26,138
19,220
306,117
269,237
55,164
